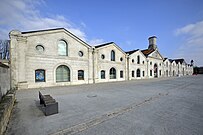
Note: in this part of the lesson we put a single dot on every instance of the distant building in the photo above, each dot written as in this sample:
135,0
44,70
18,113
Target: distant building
56,57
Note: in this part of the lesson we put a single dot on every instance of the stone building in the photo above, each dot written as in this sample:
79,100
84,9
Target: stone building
137,65
109,63
167,67
154,59
56,57
49,58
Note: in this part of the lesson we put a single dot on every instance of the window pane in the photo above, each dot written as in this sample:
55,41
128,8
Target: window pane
138,59
80,75
138,72
112,73
133,73
102,74
40,75
62,48
62,74
121,74
112,55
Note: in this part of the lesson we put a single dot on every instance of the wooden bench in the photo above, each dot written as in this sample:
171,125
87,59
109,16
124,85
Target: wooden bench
50,104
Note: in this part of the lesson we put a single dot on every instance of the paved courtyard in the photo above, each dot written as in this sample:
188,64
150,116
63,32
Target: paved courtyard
166,106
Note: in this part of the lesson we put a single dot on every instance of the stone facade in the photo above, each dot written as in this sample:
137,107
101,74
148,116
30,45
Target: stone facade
137,63
56,57
4,79
104,62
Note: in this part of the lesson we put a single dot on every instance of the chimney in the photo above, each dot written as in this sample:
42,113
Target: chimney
152,42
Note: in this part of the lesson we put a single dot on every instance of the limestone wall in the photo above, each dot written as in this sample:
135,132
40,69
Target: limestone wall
4,79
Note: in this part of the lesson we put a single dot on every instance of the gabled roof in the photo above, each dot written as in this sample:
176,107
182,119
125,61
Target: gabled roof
28,32
147,52
131,52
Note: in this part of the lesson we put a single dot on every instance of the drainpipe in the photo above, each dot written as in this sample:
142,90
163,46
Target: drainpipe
128,67
93,64
147,69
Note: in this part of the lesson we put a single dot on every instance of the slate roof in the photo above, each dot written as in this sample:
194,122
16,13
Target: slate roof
179,60
27,32
98,46
131,52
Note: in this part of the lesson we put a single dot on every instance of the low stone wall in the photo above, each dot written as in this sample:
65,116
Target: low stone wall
4,79
6,106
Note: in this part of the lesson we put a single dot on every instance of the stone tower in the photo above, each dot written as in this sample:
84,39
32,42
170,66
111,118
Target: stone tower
152,43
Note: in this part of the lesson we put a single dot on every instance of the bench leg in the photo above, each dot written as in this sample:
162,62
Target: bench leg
51,109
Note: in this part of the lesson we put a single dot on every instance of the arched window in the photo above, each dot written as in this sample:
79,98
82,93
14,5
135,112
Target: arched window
40,75
138,72
80,74
138,59
62,48
102,74
112,55
133,73
62,74
112,73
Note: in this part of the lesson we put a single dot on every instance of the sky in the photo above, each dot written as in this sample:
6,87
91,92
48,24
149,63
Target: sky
177,24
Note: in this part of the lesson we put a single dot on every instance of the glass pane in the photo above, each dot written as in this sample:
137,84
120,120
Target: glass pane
40,75
62,74
112,73
80,75
62,48
102,74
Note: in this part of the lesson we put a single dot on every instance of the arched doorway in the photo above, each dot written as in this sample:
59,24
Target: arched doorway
155,70
138,72
62,74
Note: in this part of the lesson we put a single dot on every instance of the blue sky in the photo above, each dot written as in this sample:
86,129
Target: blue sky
178,24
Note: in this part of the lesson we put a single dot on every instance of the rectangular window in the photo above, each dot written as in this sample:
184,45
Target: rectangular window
133,73
121,74
80,75
143,73
150,72
102,74
159,72
40,75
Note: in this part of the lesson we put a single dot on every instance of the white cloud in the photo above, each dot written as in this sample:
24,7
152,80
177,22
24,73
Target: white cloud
192,45
96,42
24,15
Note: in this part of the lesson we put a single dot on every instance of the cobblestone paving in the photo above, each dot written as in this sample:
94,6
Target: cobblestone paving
142,107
